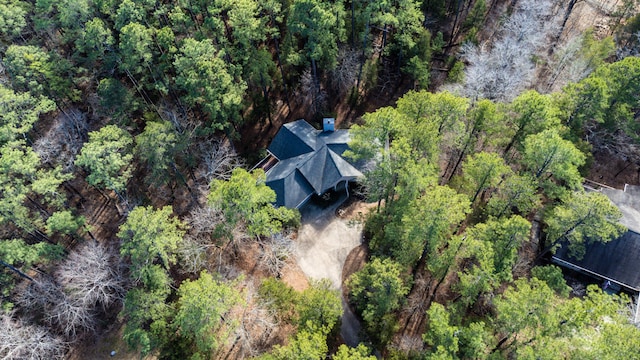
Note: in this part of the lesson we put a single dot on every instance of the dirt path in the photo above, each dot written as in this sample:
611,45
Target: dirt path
324,242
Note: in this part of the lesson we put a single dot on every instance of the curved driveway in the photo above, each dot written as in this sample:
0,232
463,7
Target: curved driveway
324,241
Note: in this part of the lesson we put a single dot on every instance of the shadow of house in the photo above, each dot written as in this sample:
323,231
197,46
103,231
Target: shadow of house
304,161
616,263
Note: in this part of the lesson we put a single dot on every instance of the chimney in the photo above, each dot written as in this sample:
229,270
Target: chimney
328,124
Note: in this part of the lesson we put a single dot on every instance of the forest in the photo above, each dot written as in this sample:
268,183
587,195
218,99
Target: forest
133,224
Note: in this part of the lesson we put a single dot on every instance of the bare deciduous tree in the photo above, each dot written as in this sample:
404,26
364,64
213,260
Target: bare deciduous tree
256,325
38,295
71,317
63,141
616,143
275,251
217,159
203,221
198,243
90,276
19,341
503,70
193,255
312,93
47,299
344,76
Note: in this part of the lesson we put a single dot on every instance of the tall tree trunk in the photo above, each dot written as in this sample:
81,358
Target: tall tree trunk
265,93
284,79
17,271
316,86
384,36
353,24
567,14
363,57
454,31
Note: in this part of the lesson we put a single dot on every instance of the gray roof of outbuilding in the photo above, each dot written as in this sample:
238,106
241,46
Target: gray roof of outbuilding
628,201
310,162
617,260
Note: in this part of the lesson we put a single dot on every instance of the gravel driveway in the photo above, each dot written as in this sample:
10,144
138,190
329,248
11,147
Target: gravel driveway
324,241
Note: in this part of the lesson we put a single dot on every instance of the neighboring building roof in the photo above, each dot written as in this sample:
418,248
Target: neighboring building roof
618,260
628,201
310,161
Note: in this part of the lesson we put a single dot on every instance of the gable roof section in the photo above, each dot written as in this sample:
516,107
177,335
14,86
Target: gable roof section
291,191
293,139
302,172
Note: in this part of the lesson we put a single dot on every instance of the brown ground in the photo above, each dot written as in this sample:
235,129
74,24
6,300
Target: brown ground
293,276
613,172
101,346
256,136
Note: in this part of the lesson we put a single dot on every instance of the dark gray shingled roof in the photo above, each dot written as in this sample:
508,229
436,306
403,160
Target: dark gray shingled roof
293,139
617,260
298,192
310,162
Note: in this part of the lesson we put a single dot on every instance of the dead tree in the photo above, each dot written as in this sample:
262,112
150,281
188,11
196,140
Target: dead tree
275,250
504,69
198,243
217,159
256,324
87,281
91,276
46,299
20,341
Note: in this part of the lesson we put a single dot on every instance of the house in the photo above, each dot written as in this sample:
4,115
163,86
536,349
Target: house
304,161
616,263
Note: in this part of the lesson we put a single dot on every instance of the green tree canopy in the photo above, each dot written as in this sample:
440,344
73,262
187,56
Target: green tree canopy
20,111
245,197
94,40
13,18
584,218
209,82
493,248
33,69
552,275
64,222
319,308
428,224
22,182
319,24
149,236
533,113
517,192
148,314
361,352
483,171
201,310
441,336
377,290
108,158
135,48
549,157
306,345
157,146
20,255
